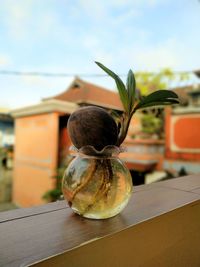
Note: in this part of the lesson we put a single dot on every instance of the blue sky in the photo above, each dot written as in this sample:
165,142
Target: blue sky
68,35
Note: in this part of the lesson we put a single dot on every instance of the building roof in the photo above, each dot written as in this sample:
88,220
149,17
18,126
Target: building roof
4,110
82,92
52,105
4,115
185,91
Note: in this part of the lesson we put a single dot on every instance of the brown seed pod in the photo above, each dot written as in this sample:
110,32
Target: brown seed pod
92,126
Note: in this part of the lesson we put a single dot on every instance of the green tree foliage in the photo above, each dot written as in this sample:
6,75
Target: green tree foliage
148,82
152,120
55,193
152,125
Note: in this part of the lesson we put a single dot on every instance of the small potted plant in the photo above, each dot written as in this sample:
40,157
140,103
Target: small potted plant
96,183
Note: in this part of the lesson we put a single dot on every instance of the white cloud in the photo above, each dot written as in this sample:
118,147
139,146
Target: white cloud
17,16
24,21
115,32
5,60
95,9
173,53
162,55
28,90
102,10
145,56
121,3
91,42
47,23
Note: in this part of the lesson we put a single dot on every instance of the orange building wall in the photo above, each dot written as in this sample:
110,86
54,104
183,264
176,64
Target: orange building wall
187,132
36,154
182,136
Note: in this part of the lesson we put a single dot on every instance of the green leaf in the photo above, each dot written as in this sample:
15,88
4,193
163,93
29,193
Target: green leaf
153,104
120,85
130,85
161,97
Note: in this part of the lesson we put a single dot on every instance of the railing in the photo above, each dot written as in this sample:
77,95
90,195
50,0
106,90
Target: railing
159,227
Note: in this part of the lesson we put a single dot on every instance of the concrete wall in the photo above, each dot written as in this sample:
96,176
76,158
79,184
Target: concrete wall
183,136
36,154
182,147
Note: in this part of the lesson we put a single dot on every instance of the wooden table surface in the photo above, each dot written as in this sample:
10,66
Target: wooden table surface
34,234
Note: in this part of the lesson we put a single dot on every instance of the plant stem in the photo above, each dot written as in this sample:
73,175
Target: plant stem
124,128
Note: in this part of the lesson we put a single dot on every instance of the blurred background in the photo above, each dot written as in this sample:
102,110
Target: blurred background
47,70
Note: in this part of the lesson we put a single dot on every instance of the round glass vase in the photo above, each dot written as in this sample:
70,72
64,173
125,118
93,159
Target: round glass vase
97,184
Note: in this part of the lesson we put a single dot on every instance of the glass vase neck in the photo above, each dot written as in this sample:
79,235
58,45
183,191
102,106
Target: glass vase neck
107,151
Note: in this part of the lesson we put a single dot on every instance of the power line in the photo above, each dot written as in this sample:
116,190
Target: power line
49,74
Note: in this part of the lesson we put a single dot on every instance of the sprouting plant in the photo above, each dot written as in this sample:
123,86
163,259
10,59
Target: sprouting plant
95,133
131,103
